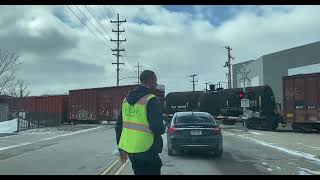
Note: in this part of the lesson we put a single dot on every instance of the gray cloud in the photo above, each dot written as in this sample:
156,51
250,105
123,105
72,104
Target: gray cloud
49,74
59,53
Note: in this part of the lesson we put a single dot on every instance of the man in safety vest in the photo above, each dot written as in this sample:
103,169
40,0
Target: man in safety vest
140,126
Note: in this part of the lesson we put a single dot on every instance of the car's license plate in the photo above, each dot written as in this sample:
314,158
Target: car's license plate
196,132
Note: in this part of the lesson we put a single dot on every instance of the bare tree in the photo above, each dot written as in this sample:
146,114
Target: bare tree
18,89
9,63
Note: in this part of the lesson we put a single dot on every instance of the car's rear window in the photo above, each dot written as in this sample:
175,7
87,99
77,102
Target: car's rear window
194,119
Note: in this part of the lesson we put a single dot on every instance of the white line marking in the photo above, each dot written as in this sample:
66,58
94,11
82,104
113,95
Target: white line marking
46,139
310,157
310,171
54,137
14,146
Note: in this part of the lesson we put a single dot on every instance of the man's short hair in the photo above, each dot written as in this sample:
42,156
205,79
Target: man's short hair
145,75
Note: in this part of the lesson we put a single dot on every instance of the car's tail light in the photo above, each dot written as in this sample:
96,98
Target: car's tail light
217,130
172,130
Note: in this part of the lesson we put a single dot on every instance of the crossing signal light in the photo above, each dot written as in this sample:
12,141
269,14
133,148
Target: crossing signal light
241,94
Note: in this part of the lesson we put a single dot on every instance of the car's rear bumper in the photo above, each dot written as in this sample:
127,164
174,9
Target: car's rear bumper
199,143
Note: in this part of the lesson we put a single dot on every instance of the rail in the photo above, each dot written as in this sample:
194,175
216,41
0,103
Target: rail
116,167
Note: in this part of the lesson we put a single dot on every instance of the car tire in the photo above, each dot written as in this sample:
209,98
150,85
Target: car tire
219,152
171,151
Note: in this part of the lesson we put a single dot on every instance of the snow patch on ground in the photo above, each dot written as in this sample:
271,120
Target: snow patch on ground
269,169
40,131
9,126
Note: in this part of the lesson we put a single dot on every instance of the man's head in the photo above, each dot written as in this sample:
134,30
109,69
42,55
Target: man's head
149,79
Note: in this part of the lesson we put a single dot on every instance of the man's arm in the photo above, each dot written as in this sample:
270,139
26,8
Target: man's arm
155,117
118,127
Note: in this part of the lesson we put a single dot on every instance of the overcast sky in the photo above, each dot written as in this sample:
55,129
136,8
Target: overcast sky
59,53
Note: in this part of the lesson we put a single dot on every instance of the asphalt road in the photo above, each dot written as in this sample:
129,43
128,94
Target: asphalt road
243,156
91,152
83,153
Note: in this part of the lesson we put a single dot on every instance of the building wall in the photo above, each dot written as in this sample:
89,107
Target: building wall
272,67
276,65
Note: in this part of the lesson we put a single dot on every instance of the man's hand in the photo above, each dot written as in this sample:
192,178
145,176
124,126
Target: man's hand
123,155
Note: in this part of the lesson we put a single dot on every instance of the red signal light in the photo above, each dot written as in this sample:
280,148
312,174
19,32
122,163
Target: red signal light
241,94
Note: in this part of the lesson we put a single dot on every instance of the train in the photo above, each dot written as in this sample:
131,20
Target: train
263,112
301,101
225,104
92,105
300,106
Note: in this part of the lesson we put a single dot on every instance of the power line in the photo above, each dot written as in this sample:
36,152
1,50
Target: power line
85,25
92,23
108,13
126,56
93,15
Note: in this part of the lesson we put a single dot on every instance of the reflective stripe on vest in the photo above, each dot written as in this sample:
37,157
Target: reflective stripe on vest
136,137
136,127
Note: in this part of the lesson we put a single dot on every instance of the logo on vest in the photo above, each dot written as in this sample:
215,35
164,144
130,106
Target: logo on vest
132,111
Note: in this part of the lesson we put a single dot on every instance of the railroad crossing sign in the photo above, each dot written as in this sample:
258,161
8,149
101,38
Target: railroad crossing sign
245,103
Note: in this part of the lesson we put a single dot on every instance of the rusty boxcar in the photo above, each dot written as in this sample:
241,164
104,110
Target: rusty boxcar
301,101
100,104
49,109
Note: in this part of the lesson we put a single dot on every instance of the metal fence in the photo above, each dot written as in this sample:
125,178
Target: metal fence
31,120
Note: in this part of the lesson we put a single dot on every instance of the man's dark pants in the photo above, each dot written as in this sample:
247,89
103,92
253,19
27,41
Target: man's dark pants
146,164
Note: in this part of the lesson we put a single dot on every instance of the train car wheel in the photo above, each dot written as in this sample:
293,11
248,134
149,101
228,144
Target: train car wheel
298,127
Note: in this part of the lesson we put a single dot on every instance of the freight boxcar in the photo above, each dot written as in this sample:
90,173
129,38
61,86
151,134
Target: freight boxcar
100,104
4,108
50,110
301,101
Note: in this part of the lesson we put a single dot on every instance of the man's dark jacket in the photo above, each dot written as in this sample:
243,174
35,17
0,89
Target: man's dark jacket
155,120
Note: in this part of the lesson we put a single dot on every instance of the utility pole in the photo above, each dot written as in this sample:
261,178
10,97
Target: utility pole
118,42
193,81
228,64
138,72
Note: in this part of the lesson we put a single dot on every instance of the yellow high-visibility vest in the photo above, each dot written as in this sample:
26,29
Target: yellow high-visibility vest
136,137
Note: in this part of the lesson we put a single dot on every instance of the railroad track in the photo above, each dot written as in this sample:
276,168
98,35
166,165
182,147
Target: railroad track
115,168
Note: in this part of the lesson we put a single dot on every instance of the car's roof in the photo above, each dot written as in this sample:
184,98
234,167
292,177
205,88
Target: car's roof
192,114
